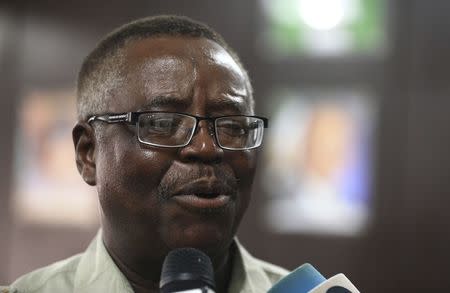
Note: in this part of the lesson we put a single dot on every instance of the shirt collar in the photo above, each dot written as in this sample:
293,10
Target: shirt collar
97,272
247,274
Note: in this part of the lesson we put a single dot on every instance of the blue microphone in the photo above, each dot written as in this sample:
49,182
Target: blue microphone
306,279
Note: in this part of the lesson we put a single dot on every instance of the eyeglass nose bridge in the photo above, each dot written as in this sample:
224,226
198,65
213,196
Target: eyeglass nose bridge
211,127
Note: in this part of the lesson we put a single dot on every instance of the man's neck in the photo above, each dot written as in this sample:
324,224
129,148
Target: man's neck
147,280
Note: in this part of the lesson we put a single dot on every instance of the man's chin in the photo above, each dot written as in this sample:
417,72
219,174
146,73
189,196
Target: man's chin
187,224
207,237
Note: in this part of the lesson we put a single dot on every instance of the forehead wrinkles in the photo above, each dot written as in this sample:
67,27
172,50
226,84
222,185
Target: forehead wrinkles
173,66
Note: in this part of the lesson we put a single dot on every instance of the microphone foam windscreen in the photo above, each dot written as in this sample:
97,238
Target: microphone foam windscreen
187,266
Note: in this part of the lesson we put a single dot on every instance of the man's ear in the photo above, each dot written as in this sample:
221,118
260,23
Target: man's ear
84,142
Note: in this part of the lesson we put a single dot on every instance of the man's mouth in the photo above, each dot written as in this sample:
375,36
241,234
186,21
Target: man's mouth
196,201
203,194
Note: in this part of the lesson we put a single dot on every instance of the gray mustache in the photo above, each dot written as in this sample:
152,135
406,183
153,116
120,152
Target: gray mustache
224,178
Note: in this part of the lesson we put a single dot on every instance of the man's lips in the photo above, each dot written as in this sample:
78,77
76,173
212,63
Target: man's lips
203,194
194,201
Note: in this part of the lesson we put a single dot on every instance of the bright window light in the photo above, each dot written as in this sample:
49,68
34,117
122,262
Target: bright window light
322,28
322,14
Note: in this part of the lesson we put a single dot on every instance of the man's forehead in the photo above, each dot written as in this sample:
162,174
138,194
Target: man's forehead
167,67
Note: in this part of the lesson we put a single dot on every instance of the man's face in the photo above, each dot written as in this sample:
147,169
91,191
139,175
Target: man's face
154,198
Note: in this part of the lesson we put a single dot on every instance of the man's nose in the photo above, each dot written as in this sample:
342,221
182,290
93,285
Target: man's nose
203,145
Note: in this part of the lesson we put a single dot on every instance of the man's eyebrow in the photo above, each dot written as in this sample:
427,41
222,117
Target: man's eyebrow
164,101
235,103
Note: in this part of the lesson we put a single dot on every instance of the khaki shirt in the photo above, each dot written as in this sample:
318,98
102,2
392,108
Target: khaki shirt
95,271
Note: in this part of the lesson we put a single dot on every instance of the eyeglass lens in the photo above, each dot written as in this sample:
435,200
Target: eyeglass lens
239,132
165,129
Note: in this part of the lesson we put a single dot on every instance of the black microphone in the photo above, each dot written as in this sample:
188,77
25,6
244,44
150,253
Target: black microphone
187,270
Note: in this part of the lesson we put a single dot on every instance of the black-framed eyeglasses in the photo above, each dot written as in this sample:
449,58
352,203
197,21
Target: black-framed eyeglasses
173,129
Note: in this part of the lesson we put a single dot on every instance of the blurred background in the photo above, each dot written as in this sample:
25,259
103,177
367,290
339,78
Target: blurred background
354,174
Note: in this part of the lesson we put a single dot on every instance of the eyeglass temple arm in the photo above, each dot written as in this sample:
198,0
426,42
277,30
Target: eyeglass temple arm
116,118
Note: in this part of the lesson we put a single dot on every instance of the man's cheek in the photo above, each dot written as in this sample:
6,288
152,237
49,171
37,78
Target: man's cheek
244,165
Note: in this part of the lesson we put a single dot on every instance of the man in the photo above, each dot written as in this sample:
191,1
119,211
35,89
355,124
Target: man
168,136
